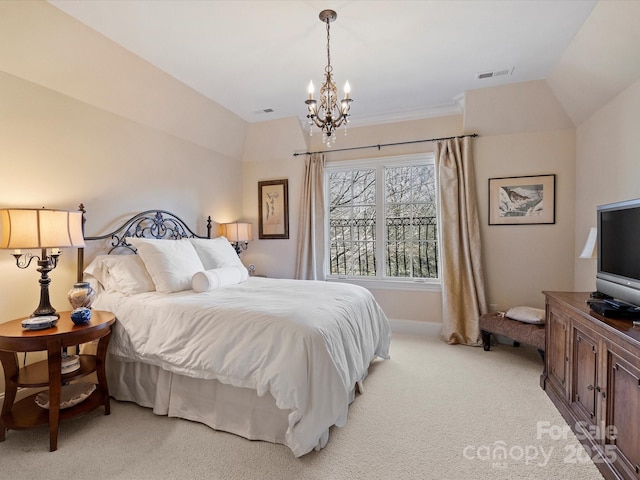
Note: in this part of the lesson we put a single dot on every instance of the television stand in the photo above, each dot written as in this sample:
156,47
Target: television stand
592,373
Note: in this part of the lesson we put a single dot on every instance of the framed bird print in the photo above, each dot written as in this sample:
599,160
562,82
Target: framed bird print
522,200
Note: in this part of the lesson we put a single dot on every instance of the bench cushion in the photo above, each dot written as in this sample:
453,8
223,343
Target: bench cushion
528,333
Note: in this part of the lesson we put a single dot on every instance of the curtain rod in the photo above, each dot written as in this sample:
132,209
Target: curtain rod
379,146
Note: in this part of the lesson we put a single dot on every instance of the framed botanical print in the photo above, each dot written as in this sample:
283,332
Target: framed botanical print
273,209
522,200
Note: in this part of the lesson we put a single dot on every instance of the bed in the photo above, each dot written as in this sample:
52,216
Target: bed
196,337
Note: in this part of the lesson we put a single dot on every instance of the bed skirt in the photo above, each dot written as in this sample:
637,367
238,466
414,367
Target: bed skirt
220,406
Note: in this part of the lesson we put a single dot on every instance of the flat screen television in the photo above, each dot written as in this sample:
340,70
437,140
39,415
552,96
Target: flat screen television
618,272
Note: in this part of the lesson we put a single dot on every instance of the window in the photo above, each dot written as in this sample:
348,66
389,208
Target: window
382,221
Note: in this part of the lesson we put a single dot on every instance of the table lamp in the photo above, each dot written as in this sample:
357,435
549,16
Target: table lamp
44,229
238,234
590,249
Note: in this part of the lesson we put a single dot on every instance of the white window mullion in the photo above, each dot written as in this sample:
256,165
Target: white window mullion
380,223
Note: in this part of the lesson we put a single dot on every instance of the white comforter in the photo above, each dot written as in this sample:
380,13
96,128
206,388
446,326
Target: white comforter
305,342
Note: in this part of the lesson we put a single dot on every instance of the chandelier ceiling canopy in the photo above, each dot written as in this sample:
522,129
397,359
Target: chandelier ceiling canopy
331,113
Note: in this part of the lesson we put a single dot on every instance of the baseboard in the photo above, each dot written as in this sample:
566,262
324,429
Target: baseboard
20,394
431,329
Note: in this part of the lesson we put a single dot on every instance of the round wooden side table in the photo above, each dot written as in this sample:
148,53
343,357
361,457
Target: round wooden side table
48,373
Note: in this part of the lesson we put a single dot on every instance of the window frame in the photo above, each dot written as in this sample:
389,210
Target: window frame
380,281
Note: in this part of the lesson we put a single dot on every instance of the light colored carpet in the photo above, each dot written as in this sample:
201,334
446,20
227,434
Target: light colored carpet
433,411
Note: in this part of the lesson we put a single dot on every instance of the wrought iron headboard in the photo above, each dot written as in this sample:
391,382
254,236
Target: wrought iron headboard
159,224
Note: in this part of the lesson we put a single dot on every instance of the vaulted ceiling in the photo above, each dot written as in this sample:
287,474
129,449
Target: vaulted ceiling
403,59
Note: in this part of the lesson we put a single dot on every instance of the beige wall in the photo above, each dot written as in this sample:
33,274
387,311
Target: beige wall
269,155
41,43
607,169
523,260
83,120
514,109
59,152
523,131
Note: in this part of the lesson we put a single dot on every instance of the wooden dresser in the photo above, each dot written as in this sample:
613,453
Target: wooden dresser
592,375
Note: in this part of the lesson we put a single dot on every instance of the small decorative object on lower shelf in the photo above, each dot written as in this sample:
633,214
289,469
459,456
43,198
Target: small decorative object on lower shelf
70,363
71,395
81,316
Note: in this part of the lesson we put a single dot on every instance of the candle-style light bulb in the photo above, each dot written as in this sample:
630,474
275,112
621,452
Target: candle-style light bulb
311,90
347,90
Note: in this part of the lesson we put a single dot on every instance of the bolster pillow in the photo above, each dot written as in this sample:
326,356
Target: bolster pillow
218,277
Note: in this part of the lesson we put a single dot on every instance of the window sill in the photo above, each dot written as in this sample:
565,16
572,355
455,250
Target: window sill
376,284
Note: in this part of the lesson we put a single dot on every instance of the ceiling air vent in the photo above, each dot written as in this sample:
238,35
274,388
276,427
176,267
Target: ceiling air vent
495,73
264,110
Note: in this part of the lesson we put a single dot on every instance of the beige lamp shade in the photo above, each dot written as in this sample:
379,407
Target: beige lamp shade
40,228
590,249
238,232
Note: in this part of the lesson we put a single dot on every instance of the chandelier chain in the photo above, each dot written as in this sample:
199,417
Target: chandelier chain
328,68
329,113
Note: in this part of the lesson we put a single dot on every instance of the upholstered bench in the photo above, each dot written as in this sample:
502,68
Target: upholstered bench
520,332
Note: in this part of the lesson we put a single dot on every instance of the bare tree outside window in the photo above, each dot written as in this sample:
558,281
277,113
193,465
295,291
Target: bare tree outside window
406,210
352,222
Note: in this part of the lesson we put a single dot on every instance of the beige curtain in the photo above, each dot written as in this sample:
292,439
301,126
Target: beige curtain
463,294
310,253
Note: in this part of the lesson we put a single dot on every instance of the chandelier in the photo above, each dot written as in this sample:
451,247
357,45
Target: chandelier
331,113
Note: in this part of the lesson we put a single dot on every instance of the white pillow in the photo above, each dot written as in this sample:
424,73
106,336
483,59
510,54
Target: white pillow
218,277
121,273
171,263
216,252
97,270
527,314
